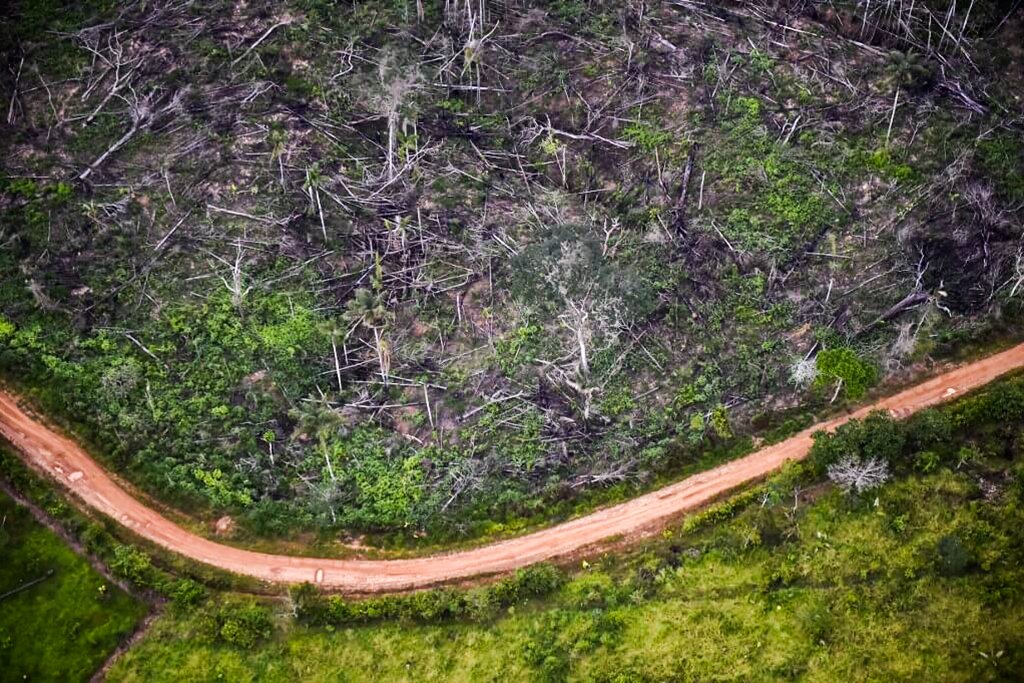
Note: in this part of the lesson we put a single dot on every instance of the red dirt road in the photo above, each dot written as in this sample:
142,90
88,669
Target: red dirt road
47,451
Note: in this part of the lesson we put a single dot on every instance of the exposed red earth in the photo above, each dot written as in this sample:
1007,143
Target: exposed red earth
47,451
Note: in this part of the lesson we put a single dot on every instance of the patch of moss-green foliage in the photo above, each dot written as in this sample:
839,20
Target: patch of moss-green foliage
34,22
518,348
754,325
1002,158
66,625
387,491
785,204
35,203
6,328
646,136
844,365
883,162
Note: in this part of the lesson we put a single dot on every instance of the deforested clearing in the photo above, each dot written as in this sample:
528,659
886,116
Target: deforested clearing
391,279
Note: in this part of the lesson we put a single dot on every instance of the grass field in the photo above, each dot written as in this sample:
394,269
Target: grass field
64,627
924,585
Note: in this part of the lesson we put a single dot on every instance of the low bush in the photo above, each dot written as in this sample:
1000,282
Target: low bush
427,606
242,624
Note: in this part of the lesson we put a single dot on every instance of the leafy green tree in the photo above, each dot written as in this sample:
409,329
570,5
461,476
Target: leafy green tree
844,367
929,429
877,437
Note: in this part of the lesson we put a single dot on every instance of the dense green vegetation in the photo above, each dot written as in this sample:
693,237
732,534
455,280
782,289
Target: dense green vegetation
443,274
66,625
918,578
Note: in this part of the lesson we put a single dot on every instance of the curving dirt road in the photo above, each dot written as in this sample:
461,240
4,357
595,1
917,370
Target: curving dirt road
47,451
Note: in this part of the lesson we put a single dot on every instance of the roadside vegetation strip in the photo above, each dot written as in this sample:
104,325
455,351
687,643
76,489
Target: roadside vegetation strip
71,465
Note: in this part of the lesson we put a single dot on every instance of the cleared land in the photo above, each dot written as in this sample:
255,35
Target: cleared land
339,269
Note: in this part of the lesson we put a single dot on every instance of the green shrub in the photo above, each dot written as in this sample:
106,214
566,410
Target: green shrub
95,538
560,636
843,364
517,348
6,328
928,429
242,624
927,461
720,422
645,136
592,590
876,436
538,579
1001,156
133,564
720,512
952,557
428,606
186,593
1001,404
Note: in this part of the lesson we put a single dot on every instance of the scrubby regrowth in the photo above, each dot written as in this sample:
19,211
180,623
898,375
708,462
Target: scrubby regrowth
445,267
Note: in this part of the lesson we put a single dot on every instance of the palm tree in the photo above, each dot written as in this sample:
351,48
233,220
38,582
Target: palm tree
366,308
314,180
335,331
316,417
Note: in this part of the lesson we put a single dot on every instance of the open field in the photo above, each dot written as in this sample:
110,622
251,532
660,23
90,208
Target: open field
66,625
